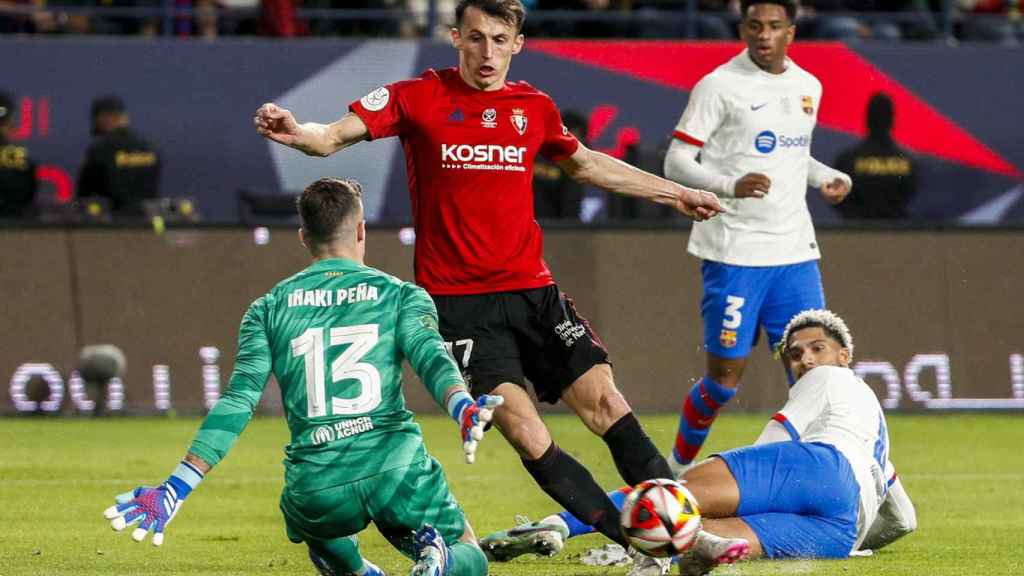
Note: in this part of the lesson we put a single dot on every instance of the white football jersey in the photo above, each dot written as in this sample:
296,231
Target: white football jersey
748,120
833,406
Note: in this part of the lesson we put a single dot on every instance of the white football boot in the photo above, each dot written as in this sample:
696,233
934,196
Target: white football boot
709,551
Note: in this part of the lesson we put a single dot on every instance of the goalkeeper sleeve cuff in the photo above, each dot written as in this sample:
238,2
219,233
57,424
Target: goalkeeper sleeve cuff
457,402
184,479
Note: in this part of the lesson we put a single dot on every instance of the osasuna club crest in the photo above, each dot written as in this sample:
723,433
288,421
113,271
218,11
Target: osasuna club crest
519,120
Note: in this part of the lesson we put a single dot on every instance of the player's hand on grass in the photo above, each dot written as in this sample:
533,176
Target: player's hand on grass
152,508
835,191
752,185
473,419
698,204
277,124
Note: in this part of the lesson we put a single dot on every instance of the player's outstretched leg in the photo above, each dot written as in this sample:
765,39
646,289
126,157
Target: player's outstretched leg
544,538
341,557
557,473
594,397
700,408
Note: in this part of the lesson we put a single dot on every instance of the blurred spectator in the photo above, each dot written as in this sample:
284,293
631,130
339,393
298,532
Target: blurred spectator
444,17
372,25
278,19
11,20
240,17
884,175
555,194
990,21
853,20
17,170
584,27
715,19
119,164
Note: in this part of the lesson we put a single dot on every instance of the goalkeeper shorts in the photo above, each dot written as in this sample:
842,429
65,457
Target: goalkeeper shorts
399,501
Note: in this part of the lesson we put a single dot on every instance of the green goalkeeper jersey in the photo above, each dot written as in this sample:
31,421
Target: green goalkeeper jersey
334,336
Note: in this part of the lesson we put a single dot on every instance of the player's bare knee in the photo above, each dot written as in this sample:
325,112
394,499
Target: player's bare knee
610,407
526,433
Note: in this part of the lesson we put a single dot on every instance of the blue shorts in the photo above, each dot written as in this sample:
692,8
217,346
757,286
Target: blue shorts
801,499
740,299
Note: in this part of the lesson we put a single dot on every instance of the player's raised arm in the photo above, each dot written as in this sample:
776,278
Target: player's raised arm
278,124
599,169
421,342
154,507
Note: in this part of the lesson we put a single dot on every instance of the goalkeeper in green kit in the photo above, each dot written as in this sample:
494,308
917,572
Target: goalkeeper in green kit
334,335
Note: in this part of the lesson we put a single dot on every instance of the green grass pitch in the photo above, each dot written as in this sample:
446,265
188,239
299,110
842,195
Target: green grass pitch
964,472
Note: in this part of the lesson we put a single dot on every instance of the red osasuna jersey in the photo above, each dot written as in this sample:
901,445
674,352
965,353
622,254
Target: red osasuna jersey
469,157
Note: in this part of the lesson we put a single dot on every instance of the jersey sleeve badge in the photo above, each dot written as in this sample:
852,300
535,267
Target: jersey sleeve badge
376,101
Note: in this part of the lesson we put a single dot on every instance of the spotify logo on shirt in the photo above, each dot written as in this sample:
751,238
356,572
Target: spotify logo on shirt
766,141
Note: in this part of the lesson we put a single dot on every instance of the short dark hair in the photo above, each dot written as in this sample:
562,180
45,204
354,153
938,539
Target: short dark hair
511,11
789,5
880,114
108,104
327,205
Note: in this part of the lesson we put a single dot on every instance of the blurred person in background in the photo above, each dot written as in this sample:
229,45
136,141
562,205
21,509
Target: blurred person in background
885,173
119,164
584,27
991,21
855,20
17,170
278,18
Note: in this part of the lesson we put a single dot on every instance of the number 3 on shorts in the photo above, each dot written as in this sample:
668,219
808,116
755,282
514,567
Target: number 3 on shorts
732,318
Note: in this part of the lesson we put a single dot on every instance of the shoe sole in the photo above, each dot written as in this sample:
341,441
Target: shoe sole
519,542
733,554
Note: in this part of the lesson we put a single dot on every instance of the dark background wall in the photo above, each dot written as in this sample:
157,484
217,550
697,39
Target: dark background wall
195,100
161,298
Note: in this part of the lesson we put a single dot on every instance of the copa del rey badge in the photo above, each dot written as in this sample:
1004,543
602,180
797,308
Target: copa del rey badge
519,120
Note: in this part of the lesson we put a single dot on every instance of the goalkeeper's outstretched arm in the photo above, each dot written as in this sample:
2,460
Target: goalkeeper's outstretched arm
152,508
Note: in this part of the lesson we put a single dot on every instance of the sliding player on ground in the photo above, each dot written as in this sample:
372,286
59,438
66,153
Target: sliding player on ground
817,483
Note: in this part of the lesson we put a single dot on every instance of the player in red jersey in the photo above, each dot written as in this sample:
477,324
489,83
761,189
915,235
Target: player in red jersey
470,138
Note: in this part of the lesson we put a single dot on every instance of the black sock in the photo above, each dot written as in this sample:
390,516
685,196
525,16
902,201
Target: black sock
572,486
635,455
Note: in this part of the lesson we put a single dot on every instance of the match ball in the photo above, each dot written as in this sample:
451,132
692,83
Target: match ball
660,518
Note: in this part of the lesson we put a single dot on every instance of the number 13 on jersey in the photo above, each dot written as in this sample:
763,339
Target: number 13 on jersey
347,366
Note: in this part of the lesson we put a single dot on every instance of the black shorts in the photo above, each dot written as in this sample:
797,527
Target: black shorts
513,336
